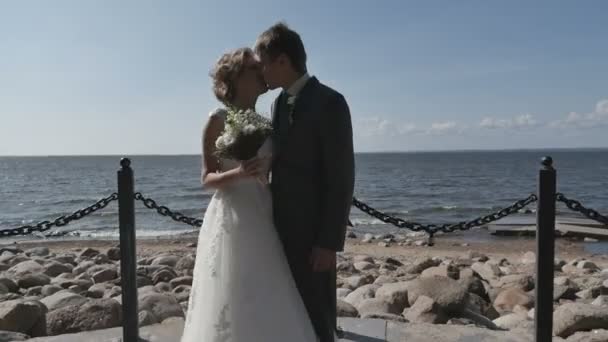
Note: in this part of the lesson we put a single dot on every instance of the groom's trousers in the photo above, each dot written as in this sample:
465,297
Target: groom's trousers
318,291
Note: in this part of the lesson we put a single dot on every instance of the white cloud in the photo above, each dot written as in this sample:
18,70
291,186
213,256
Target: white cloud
597,118
521,121
445,127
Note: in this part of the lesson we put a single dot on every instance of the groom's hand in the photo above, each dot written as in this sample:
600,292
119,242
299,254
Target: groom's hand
322,259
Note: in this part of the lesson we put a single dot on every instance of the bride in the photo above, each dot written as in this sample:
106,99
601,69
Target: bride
242,290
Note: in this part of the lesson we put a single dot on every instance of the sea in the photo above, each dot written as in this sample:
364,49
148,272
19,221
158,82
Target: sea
425,187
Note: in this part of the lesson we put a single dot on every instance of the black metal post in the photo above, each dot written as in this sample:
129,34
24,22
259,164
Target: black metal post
126,218
545,251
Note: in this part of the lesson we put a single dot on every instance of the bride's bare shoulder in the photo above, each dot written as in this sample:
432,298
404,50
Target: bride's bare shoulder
218,112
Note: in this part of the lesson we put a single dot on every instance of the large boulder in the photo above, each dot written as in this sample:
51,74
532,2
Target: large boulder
54,268
9,284
425,310
32,280
508,299
511,321
422,264
185,265
449,271
487,271
346,310
572,317
38,251
162,306
24,268
62,299
600,335
95,314
394,294
356,297
23,316
166,260
450,295
357,281
375,306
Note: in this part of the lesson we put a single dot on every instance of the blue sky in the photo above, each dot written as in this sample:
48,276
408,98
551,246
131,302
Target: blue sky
131,77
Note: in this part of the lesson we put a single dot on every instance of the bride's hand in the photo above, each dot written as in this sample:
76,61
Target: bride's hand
254,167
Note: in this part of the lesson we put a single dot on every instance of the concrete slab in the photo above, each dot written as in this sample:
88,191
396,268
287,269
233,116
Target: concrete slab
399,332
356,330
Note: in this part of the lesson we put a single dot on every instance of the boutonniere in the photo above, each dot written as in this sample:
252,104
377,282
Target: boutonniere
291,104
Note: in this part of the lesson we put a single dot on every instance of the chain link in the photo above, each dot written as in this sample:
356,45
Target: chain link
578,207
164,211
60,221
431,229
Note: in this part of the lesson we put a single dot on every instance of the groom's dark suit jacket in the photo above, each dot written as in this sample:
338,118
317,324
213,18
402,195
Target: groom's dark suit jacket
312,188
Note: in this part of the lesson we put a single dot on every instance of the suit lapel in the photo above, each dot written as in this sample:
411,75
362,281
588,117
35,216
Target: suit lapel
304,99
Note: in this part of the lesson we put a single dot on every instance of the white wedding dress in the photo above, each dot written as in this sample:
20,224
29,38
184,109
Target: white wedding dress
243,290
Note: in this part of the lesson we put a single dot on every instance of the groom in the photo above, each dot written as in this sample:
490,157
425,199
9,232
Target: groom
312,174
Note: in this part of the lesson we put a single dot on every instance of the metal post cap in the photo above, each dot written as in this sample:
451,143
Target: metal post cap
125,162
547,161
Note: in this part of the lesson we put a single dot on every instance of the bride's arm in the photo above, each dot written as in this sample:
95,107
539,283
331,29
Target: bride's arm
211,176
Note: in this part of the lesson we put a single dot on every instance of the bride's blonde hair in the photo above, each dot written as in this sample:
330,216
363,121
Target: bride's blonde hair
226,71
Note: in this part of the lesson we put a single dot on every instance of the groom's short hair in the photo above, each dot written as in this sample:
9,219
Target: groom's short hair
280,39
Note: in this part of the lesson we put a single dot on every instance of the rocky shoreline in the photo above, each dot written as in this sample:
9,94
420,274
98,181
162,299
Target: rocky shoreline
52,291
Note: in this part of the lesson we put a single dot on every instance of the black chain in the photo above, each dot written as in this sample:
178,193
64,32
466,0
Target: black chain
161,209
60,221
431,229
578,207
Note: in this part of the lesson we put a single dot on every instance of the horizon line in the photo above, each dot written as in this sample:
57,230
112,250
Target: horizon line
531,149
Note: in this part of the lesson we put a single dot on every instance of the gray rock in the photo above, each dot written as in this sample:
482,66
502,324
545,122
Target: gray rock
600,335
115,291
563,292
185,280
62,299
529,258
572,317
487,271
363,258
93,315
10,336
384,279
346,310
101,259
83,267
509,298
511,321
147,318
105,275
163,287
113,253
425,310
357,281
589,293
166,260
395,294
561,281
54,268
88,253
161,305
367,238
66,259
450,295
364,266
24,268
163,275
601,301
34,291
342,293
38,251
476,256
449,271
182,293
359,295
98,290
9,284
522,281
23,316
185,265
3,289
588,265
422,264
345,267
393,261
32,280
377,306
480,306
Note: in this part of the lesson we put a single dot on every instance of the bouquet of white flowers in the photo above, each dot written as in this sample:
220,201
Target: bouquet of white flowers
244,133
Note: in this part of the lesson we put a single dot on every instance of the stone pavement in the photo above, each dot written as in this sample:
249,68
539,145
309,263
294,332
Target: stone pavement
356,330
